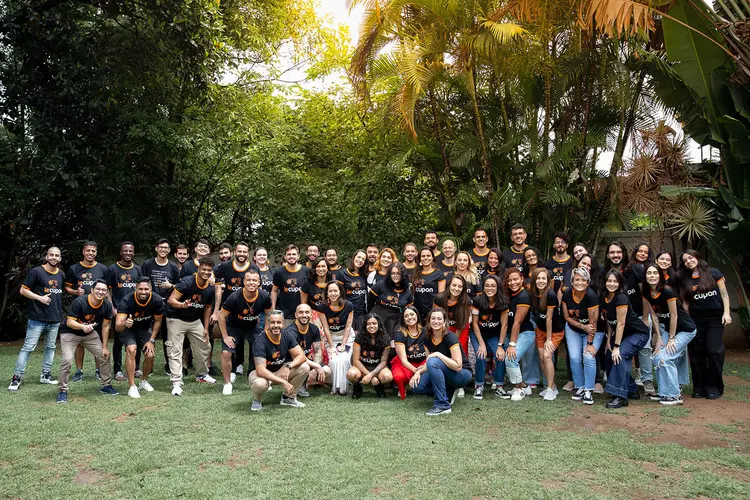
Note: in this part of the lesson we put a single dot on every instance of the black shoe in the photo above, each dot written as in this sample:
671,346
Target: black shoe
184,372
698,394
616,402
713,395
380,391
634,395
357,391
212,371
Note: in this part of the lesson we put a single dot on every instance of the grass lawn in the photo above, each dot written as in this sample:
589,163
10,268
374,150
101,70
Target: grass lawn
205,445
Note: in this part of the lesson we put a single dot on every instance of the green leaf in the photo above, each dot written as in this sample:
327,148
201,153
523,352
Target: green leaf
674,191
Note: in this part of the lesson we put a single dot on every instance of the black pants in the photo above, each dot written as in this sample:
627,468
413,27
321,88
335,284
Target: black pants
238,358
117,356
391,319
706,352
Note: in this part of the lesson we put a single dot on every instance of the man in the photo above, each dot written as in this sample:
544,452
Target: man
164,275
372,251
410,258
139,318
513,256
78,282
308,338
287,283
88,320
225,252
448,263
560,263
280,360
480,251
332,259
202,249
181,254
122,277
431,241
43,287
239,321
188,316
312,252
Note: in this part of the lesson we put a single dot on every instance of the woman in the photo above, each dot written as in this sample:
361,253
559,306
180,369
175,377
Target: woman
457,305
489,319
410,351
386,257
370,358
626,335
337,317
677,330
705,297
579,250
313,289
531,258
550,327
595,271
410,258
260,258
446,369
389,297
495,264
428,281
355,286
665,261
642,254
580,308
467,270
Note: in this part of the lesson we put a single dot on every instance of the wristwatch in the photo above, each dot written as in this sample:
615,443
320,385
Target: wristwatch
152,340
617,345
590,342
511,344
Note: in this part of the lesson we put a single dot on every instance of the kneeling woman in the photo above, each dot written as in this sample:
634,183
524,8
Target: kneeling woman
338,316
447,368
626,335
370,358
550,327
410,351
522,336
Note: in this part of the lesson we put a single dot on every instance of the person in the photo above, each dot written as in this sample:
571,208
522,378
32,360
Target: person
332,259
87,323
495,264
410,258
480,251
513,255
138,322
579,250
489,320
164,275
278,359
78,282
448,261
337,316
309,339
665,262
704,292
181,255
560,263
43,286
122,277
428,281
355,286
447,368
190,267
189,310
550,327
287,284
260,259
522,336
431,241
313,289
312,253
457,305
531,257
596,284
626,336
225,252
388,298
386,257
580,307
239,321
410,350
370,358
642,254
372,250
466,269
671,343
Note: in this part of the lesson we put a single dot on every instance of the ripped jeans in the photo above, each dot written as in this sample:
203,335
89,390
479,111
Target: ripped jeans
667,366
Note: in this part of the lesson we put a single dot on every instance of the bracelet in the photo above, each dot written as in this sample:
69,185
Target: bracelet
617,345
671,338
590,342
152,340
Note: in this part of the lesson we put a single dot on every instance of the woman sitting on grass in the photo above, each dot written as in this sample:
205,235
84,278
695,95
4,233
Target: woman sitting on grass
370,358
410,351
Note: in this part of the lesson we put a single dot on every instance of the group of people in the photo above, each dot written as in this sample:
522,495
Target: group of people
427,321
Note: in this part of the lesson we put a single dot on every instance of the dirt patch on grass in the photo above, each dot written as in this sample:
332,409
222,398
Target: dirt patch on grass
232,462
90,476
124,417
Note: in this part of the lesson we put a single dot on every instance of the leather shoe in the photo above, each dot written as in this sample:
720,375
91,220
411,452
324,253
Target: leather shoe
698,395
616,402
713,395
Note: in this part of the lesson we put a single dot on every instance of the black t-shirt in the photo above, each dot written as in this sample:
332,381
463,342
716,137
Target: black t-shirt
337,273
559,270
370,354
200,298
513,258
705,301
395,299
244,311
143,313
488,317
275,354
414,346
451,311
231,276
289,284
40,282
161,273
266,277
410,270
336,318
474,289
189,268
425,288
633,279
660,305
447,269
83,312
306,339
633,324
480,260
579,310
558,324
82,275
444,347
355,287
314,291
520,300
122,280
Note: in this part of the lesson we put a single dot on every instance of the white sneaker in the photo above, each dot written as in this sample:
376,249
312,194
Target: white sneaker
206,379
527,390
138,373
517,394
550,395
145,386
119,376
227,390
232,377
461,393
239,370
176,390
293,402
133,392
543,392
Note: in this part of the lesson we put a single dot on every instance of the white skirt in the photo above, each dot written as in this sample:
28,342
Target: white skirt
340,362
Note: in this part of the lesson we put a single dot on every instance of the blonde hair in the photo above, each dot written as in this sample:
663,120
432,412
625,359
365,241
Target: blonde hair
472,275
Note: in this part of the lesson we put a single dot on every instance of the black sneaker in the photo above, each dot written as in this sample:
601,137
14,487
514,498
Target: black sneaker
357,391
435,411
671,400
108,389
212,371
380,391
15,383
578,395
588,399
46,378
77,376
654,397
62,397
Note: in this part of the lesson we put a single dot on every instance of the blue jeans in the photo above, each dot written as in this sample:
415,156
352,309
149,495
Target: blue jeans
683,366
644,358
620,382
532,374
34,330
582,365
526,341
498,374
668,366
438,380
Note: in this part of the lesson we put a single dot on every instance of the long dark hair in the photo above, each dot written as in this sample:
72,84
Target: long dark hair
405,282
382,340
342,292
706,282
418,270
312,275
464,311
362,271
539,297
649,258
624,263
596,272
501,299
500,269
428,328
620,283
405,329
645,287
